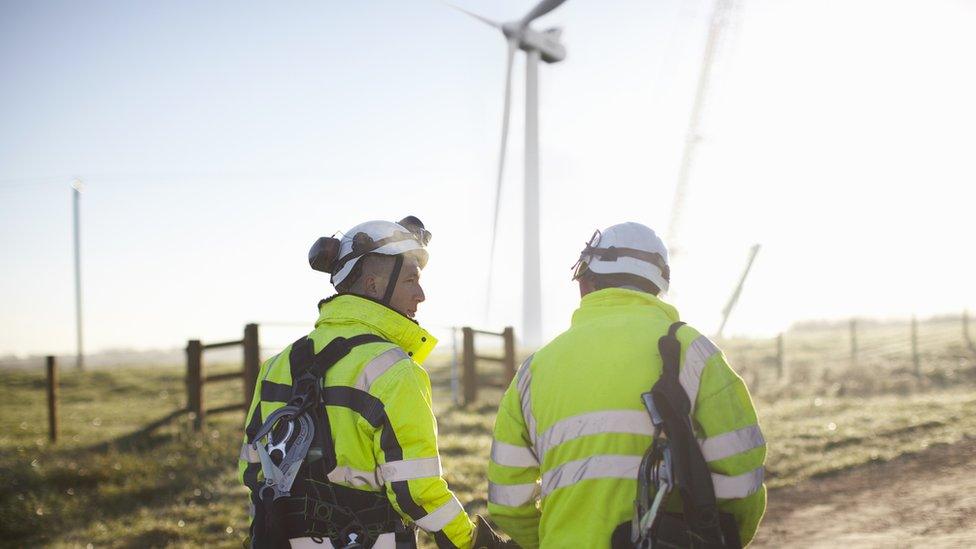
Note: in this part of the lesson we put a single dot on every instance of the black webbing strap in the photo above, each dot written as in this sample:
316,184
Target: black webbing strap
692,478
336,350
394,276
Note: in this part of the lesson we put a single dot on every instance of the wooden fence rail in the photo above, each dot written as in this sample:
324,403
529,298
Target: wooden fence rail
196,380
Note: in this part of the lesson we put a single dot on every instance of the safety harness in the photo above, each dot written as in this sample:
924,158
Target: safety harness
674,463
297,452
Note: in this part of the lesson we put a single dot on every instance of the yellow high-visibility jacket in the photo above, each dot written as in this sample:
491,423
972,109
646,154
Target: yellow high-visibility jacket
573,418
407,465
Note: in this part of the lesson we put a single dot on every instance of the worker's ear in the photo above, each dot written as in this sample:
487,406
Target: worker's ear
370,286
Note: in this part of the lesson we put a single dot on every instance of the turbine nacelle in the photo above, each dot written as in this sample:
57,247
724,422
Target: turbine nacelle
529,39
526,38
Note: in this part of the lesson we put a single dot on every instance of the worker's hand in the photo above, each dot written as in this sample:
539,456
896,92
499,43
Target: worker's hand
486,538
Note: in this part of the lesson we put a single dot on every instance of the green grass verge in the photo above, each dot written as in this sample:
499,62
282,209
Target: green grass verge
110,482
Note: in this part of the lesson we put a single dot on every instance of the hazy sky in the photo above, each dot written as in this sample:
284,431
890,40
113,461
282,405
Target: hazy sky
217,140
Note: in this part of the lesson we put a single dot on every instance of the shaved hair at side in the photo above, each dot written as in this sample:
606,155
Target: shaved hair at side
371,266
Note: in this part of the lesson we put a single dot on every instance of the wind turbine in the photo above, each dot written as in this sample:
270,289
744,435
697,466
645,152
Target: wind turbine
537,46
721,13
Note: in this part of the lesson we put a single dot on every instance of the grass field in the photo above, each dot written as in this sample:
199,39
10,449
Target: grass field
111,482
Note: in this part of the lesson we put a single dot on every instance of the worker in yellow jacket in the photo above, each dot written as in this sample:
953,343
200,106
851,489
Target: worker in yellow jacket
572,427
353,461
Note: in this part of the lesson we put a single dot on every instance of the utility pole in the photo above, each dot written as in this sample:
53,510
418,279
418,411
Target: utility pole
738,290
76,187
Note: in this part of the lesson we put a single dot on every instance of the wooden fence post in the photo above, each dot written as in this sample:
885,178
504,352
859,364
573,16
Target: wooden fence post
853,342
53,420
780,357
252,363
965,332
470,376
509,336
194,381
916,363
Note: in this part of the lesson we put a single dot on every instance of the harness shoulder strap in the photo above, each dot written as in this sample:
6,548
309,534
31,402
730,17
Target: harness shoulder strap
691,474
303,358
670,349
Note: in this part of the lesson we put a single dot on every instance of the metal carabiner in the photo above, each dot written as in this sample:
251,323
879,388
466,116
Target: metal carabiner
281,446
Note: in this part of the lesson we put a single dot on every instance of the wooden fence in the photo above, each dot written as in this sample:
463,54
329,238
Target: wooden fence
196,378
470,357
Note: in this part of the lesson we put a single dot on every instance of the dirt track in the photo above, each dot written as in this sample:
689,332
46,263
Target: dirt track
924,500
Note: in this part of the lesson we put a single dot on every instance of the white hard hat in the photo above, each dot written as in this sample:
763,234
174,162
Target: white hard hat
339,257
627,248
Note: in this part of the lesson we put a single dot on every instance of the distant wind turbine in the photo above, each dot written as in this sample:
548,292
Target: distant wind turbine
720,17
537,45
76,187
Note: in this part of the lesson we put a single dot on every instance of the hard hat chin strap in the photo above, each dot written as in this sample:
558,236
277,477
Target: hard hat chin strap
394,276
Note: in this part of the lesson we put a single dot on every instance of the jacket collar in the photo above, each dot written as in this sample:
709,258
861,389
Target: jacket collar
612,300
377,318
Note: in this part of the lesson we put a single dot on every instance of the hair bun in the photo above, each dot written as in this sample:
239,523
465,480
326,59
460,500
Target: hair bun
323,254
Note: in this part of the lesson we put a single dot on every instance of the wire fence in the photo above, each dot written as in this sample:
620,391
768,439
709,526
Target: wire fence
864,356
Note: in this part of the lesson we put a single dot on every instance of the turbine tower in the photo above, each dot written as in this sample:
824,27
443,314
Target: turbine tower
544,46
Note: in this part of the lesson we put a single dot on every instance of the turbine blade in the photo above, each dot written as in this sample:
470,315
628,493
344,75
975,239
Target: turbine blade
542,8
506,110
481,18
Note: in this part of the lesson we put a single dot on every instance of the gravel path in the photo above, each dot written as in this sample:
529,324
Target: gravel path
923,500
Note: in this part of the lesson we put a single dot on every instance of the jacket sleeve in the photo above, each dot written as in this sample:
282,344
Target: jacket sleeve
731,441
513,472
406,452
248,464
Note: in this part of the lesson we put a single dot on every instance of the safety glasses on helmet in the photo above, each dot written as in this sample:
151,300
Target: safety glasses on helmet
579,267
612,253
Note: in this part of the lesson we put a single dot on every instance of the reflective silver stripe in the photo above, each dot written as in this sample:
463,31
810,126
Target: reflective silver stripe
738,486
595,423
523,384
512,495
249,453
605,466
696,357
436,520
378,366
356,478
510,455
732,443
410,469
